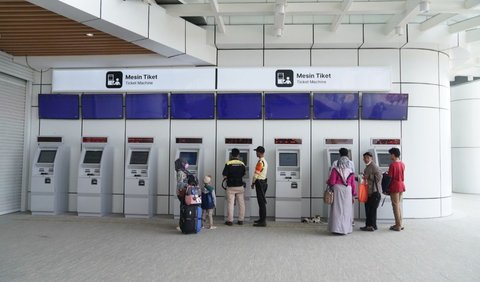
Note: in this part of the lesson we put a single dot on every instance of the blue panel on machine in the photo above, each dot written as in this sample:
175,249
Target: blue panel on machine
192,106
102,106
146,106
239,106
335,105
287,106
384,106
58,106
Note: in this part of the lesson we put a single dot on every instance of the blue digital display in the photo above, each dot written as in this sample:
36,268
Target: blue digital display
146,106
384,106
192,106
239,106
58,106
102,106
335,105
287,106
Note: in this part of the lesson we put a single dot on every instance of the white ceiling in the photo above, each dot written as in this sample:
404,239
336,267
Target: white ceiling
461,17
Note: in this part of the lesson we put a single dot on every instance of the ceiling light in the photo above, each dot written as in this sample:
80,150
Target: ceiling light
424,6
89,34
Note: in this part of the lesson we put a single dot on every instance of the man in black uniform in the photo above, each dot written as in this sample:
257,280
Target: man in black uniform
234,172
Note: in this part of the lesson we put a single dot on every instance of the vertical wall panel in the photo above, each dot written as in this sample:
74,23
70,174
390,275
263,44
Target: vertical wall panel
12,124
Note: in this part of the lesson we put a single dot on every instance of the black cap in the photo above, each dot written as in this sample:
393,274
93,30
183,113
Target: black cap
260,149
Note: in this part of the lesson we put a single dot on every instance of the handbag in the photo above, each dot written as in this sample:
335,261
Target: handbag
192,197
328,195
363,192
376,195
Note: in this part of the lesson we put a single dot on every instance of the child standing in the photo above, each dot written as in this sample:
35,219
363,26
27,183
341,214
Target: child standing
208,201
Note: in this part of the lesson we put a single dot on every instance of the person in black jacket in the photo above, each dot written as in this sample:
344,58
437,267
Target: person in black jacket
234,172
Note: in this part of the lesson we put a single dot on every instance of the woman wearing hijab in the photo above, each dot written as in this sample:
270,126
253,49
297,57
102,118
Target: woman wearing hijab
342,182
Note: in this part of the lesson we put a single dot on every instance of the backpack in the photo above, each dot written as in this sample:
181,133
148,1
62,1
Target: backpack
207,201
386,179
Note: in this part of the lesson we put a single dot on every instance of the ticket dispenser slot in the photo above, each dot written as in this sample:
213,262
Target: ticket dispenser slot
95,177
49,177
288,186
140,178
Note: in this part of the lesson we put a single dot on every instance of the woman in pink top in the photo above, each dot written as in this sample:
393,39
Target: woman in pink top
342,182
397,186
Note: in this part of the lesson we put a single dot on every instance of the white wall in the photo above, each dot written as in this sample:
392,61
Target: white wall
465,137
421,73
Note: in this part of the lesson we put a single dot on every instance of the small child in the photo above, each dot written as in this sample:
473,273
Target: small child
208,201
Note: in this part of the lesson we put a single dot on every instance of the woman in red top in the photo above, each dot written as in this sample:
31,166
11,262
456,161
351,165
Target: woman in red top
397,186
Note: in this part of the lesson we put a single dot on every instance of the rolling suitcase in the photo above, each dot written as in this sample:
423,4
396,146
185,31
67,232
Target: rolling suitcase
191,219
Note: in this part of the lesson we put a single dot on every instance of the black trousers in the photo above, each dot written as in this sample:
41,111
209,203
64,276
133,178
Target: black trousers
371,211
261,188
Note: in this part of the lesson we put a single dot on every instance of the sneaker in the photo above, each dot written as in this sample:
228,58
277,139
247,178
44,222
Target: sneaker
260,224
229,223
178,228
212,227
240,222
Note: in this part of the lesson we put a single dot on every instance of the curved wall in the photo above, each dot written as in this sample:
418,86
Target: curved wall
465,137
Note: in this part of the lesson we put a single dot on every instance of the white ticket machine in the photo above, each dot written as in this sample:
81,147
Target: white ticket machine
380,153
247,155
189,150
95,177
140,178
288,185
332,151
50,174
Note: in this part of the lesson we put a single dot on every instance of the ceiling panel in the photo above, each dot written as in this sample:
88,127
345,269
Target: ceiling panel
29,30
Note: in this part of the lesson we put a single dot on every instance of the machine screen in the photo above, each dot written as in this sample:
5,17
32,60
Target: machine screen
288,159
334,157
92,157
243,157
47,156
384,159
189,157
139,157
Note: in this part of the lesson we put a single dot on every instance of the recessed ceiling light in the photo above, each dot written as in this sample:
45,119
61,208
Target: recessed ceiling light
89,34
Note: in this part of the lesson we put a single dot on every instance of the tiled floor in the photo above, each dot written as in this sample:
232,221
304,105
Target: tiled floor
71,248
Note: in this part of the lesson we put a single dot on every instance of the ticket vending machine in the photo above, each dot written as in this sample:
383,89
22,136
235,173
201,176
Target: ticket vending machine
288,189
50,174
380,153
190,150
95,177
140,178
247,155
381,157
332,154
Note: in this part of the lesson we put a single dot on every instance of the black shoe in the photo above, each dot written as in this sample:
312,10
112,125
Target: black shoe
240,222
367,228
260,224
257,221
375,228
229,223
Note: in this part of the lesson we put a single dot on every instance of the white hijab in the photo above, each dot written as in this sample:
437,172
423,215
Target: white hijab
343,168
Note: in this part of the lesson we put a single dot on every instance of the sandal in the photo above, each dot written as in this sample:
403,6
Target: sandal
396,228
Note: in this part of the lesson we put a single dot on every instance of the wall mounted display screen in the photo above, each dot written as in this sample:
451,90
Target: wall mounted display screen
334,157
335,105
384,106
287,106
192,106
146,106
102,106
92,157
189,157
239,106
139,157
287,159
46,156
384,159
58,106
243,157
